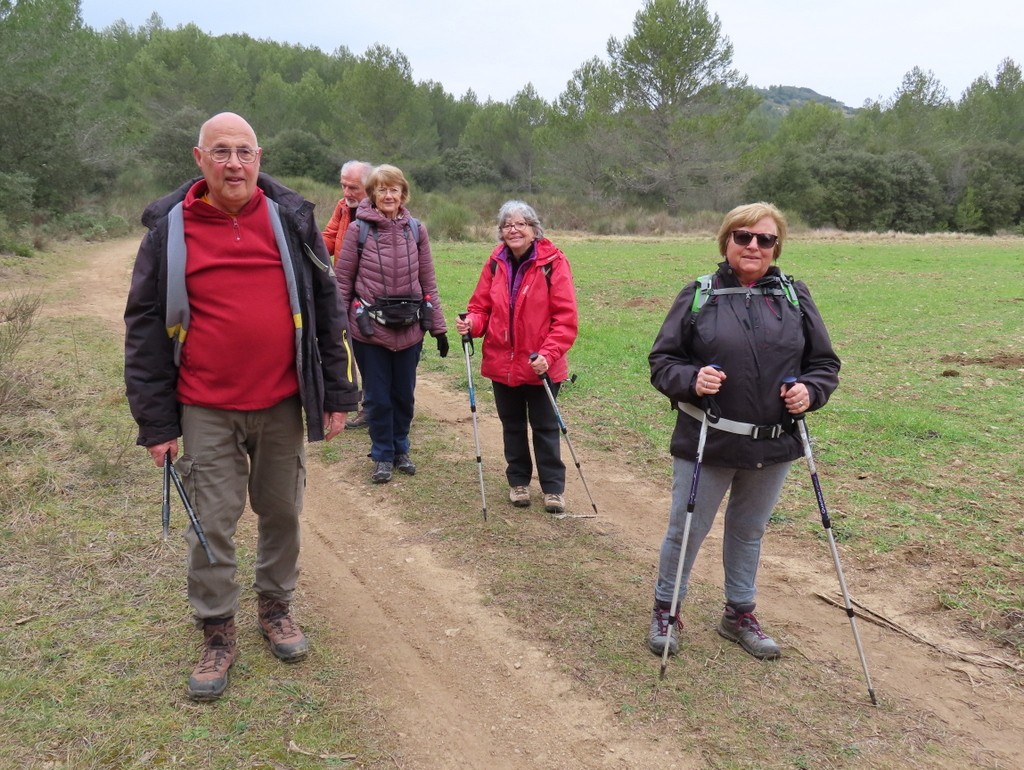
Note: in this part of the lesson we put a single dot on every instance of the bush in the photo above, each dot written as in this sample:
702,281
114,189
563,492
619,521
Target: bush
294,152
10,243
451,221
16,193
17,313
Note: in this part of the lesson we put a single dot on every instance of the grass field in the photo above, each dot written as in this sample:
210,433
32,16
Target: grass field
919,449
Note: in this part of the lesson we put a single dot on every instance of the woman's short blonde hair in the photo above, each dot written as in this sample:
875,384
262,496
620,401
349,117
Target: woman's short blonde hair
387,176
747,215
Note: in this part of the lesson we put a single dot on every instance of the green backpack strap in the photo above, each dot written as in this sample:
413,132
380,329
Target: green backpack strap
705,291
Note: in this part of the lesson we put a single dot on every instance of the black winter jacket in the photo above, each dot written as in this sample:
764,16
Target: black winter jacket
757,340
327,379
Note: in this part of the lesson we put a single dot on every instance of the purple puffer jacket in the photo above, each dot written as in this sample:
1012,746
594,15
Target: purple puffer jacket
392,264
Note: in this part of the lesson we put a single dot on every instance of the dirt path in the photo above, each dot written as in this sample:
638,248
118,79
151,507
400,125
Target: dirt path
462,687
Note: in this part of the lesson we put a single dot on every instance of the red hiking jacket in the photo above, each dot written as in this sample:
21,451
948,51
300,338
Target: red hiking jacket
544,319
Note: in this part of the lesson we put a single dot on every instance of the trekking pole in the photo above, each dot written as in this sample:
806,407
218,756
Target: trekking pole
467,346
826,522
191,513
544,378
165,513
691,503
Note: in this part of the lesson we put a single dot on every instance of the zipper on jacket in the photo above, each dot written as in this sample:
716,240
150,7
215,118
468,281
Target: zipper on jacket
234,226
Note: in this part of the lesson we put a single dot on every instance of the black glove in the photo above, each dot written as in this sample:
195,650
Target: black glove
442,344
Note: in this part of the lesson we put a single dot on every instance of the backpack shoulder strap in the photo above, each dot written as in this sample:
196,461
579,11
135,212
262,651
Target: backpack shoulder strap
789,289
703,292
706,290
364,230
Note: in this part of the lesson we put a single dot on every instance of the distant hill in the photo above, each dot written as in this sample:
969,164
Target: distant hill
781,99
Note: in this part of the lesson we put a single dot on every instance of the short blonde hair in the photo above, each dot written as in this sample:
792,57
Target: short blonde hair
747,215
387,176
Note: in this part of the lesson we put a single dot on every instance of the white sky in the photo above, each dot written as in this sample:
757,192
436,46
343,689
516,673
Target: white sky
851,51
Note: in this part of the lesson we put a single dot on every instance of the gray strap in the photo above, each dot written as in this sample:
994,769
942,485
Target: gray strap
756,432
176,310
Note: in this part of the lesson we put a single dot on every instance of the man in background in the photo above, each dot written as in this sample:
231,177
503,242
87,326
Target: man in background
354,174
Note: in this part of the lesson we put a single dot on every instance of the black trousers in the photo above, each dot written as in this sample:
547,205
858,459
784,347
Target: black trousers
528,405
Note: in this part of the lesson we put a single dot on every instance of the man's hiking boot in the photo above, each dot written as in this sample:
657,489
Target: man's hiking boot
286,639
519,496
739,625
663,629
381,472
209,679
554,502
356,421
405,464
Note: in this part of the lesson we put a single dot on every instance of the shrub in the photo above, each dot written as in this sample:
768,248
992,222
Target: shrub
10,243
451,221
17,313
16,192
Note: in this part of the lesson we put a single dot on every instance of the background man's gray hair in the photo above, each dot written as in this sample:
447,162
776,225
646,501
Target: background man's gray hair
511,208
365,167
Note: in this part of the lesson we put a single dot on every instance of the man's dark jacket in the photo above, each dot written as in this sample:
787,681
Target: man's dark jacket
327,378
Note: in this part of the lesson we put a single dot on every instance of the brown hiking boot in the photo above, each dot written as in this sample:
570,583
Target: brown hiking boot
286,639
209,679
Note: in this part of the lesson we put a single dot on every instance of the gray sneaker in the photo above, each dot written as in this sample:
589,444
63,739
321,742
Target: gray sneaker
554,502
739,625
663,629
519,496
381,472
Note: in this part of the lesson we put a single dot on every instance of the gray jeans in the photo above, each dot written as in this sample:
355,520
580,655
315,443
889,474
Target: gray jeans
752,497
225,455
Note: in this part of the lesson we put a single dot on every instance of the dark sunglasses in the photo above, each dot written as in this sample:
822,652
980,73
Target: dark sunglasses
744,237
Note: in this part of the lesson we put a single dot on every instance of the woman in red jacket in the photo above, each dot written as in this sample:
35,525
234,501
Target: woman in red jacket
525,303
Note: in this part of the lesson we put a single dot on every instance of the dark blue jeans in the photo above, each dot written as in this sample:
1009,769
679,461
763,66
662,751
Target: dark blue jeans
517,407
389,386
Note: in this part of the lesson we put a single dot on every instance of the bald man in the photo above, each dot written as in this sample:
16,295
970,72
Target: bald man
235,343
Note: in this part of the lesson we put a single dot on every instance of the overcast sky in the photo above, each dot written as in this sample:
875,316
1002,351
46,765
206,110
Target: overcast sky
851,51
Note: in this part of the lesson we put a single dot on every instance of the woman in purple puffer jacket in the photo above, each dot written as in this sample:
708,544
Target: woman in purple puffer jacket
387,283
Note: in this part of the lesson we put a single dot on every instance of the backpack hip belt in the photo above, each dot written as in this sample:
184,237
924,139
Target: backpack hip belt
756,432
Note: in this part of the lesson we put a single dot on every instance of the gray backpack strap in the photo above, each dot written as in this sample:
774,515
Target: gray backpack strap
176,310
274,210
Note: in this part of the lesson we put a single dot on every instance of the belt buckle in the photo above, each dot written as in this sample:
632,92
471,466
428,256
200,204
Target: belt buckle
762,432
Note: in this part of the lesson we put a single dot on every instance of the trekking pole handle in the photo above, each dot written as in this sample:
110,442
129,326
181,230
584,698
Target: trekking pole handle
467,337
545,377
712,405
787,383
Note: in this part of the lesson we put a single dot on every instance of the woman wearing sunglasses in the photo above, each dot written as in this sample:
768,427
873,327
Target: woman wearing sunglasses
730,341
525,304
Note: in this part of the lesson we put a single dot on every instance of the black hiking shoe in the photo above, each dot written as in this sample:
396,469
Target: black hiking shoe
405,464
381,472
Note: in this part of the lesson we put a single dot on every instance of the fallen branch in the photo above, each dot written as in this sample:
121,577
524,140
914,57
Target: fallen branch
293,748
977,658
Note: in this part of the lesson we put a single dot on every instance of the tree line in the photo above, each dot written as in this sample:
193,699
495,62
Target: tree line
661,121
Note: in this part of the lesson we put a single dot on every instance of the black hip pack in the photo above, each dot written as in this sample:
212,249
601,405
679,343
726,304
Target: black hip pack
395,312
